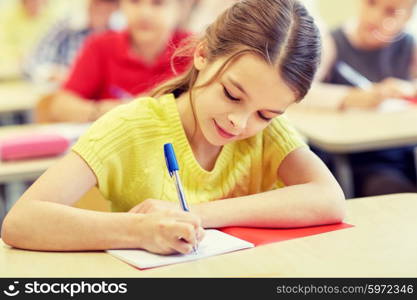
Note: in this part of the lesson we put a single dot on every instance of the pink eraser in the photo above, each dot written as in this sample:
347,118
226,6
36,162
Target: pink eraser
32,146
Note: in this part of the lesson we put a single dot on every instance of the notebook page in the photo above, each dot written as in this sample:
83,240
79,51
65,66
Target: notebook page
215,242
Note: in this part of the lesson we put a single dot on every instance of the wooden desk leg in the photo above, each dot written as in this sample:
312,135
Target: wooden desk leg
344,174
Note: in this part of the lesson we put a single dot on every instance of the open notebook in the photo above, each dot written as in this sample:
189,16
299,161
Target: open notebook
215,242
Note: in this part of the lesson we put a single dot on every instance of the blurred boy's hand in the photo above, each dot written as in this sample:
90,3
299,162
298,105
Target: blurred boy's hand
396,88
386,89
360,98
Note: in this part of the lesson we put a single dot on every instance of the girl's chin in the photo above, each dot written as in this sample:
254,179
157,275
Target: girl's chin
215,140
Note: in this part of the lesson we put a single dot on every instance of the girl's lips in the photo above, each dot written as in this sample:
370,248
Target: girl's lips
223,133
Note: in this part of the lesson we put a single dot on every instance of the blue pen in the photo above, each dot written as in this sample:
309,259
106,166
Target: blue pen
173,169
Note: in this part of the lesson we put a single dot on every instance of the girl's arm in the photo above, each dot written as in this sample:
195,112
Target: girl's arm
311,197
43,219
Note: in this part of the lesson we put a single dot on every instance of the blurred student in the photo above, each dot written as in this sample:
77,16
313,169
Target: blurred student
242,163
376,47
22,23
116,66
57,49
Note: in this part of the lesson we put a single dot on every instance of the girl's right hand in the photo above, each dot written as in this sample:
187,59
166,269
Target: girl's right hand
170,231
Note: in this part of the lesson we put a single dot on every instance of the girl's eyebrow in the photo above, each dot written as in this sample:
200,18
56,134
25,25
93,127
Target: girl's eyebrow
239,86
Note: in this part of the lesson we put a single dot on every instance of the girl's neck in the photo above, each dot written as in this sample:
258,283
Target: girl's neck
198,143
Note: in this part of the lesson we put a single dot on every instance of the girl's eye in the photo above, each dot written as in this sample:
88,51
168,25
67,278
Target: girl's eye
263,117
228,95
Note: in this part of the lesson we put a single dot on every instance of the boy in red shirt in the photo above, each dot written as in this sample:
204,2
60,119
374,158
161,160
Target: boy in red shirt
119,65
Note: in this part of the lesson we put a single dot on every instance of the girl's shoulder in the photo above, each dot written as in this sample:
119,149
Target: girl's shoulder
281,131
139,115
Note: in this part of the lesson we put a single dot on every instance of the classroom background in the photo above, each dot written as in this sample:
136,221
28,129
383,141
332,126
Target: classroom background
28,79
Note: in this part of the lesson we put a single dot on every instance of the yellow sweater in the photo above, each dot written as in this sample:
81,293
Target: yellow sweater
124,149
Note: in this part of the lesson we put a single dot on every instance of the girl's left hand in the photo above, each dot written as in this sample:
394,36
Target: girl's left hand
154,205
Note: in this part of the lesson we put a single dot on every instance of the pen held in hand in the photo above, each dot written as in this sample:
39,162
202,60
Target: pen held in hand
172,165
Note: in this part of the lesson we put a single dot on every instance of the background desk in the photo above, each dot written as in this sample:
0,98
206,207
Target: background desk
19,97
10,71
342,133
14,173
383,243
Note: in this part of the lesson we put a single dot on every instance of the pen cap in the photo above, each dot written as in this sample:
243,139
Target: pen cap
170,158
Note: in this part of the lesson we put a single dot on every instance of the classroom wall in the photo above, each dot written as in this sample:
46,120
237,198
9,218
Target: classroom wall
335,12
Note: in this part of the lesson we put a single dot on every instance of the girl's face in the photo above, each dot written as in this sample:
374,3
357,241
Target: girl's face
151,21
241,102
381,21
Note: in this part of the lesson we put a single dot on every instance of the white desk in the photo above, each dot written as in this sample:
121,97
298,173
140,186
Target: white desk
9,72
19,97
382,243
342,133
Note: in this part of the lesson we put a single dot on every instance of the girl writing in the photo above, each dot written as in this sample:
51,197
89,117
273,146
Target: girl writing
241,163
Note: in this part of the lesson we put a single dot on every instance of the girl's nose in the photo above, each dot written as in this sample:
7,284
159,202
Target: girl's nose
239,121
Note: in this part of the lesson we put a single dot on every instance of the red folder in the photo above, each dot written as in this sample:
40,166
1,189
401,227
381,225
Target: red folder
413,100
262,236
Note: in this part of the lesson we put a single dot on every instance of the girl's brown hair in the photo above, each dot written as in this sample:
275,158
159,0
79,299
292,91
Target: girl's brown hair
280,31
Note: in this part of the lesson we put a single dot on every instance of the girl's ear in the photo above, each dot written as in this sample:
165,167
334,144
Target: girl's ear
200,56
